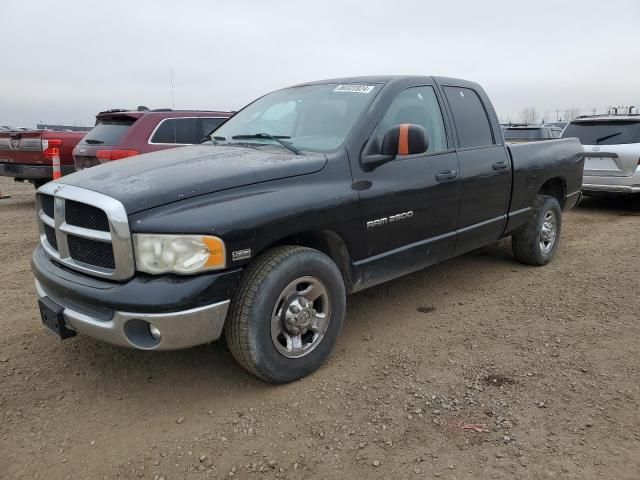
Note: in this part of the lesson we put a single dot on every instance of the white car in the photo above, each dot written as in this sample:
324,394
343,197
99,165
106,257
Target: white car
612,151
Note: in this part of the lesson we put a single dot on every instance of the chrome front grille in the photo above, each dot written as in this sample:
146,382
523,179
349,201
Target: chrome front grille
91,252
83,215
47,204
50,234
85,230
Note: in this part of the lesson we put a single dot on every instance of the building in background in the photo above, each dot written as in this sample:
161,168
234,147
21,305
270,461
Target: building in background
62,128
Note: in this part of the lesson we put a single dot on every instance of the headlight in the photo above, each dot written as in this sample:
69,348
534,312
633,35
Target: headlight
178,253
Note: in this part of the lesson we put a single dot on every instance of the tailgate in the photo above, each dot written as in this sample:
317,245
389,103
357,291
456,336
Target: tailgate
106,135
22,148
36,147
611,160
611,145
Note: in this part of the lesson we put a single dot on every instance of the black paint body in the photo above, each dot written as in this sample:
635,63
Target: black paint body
257,198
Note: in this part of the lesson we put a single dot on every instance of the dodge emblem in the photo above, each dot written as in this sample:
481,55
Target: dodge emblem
14,142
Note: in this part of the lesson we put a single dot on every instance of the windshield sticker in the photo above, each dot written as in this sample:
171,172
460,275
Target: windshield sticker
354,88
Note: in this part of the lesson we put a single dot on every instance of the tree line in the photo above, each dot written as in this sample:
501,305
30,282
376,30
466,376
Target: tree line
529,115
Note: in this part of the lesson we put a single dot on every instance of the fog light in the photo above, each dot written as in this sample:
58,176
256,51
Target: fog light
155,333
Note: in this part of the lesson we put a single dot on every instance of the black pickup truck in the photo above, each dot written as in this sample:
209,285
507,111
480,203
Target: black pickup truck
307,194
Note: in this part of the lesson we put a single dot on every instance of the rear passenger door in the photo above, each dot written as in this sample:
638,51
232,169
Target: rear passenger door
485,171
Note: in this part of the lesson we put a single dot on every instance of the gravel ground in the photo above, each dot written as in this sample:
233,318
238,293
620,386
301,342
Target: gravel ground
476,368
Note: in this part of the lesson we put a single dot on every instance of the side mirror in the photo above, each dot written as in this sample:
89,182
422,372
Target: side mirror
404,139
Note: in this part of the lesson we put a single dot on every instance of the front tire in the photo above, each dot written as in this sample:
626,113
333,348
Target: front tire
286,314
537,241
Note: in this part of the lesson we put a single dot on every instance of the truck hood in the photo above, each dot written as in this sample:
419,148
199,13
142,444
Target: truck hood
154,179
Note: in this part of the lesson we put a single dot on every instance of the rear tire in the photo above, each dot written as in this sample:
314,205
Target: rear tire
286,314
537,241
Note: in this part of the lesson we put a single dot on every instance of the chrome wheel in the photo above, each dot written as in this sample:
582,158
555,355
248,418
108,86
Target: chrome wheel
300,317
548,232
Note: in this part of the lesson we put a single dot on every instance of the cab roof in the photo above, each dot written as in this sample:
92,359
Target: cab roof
385,79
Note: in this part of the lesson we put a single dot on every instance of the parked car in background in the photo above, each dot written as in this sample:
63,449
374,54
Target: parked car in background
8,128
307,194
28,155
522,133
125,133
612,151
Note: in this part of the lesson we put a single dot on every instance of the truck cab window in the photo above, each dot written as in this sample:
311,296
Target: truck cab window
284,114
419,106
311,117
470,116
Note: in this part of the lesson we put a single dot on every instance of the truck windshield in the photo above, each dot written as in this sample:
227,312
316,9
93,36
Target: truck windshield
313,117
613,132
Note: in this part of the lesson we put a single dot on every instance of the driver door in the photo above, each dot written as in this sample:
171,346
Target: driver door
410,211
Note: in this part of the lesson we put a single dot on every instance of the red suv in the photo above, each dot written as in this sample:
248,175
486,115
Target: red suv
123,133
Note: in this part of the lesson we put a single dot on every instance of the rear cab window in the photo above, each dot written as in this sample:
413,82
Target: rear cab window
176,131
602,132
471,119
108,132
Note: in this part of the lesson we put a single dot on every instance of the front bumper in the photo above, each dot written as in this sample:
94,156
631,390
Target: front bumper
187,310
181,329
32,172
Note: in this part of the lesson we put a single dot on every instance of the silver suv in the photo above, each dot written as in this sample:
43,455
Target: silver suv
612,150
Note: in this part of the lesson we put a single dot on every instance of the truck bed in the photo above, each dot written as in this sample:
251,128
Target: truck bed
538,162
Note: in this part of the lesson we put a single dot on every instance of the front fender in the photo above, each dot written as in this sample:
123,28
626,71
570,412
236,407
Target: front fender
256,216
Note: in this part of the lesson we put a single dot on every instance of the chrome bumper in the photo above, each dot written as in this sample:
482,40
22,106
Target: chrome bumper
590,187
182,329
610,184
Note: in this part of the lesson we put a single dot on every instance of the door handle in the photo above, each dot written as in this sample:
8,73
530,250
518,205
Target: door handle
500,165
447,175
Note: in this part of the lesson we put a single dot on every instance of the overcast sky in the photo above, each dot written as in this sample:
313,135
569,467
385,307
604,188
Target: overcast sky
65,60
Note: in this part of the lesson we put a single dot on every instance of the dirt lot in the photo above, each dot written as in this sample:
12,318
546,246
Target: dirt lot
545,360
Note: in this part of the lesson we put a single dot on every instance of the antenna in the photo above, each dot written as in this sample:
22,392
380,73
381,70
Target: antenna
173,102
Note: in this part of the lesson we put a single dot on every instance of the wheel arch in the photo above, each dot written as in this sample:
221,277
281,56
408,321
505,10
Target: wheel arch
326,241
555,187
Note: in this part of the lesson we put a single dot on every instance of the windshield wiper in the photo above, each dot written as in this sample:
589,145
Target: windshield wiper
606,137
277,138
213,140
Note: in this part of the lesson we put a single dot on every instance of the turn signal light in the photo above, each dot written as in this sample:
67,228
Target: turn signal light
108,155
217,254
